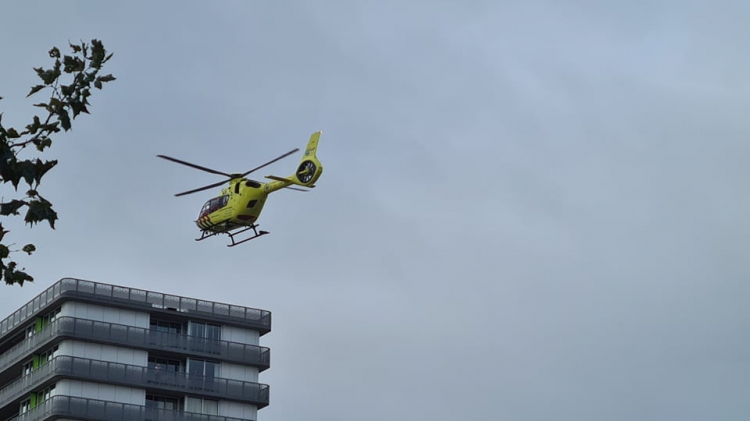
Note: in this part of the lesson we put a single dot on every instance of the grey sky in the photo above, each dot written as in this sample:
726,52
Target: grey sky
528,212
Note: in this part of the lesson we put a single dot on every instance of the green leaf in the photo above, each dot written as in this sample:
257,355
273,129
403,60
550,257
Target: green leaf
33,127
29,248
26,169
35,89
107,78
47,76
7,161
9,171
40,210
43,142
13,276
12,133
73,64
11,208
56,103
41,168
64,118
67,90
4,251
98,53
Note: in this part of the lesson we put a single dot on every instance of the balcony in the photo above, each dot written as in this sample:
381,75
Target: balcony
135,376
132,298
136,337
95,410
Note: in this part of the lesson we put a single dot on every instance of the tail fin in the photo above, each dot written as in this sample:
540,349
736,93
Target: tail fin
312,144
308,171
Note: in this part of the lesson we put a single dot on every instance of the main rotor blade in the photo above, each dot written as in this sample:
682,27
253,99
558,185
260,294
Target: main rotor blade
194,166
210,186
271,162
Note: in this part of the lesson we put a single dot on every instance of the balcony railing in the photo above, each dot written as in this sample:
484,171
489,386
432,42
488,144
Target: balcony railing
135,376
132,297
137,337
95,410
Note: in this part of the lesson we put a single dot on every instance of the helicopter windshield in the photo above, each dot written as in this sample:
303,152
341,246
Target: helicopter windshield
214,204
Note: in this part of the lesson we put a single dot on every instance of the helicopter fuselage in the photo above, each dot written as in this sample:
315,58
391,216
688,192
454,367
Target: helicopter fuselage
241,203
238,205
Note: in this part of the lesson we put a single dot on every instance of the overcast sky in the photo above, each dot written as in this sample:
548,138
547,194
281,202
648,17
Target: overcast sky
529,211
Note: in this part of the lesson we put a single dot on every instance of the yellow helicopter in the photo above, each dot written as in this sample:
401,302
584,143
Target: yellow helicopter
239,205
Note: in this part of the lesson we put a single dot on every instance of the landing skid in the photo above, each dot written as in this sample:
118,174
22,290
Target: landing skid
254,227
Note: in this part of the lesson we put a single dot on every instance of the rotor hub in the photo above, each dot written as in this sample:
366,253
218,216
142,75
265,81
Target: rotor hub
306,171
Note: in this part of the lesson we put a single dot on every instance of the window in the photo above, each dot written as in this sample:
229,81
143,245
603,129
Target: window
47,355
164,364
25,406
252,203
45,394
202,406
162,402
166,327
214,204
28,367
204,330
50,317
203,368
41,322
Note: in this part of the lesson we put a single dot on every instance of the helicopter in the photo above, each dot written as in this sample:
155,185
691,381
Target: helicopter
237,208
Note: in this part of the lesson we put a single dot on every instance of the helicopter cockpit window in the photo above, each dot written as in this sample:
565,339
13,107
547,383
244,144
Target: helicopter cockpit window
214,204
206,209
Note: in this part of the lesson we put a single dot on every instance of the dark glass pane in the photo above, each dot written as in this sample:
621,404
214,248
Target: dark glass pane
211,369
195,367
211,407
198,329
213,332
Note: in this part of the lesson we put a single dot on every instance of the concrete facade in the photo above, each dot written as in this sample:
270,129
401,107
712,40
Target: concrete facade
87,350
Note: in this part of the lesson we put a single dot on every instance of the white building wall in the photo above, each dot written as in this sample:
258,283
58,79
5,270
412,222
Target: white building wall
238,410
103,352
101,391
239,372
238,334
105,314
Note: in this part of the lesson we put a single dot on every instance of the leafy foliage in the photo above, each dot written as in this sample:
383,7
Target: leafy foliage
80,70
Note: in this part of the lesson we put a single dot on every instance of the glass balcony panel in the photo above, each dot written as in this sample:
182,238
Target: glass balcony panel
121,293
82,408
135,376
137,297
172,301
103,290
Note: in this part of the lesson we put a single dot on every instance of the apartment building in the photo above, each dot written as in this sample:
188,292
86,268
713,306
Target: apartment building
84,350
